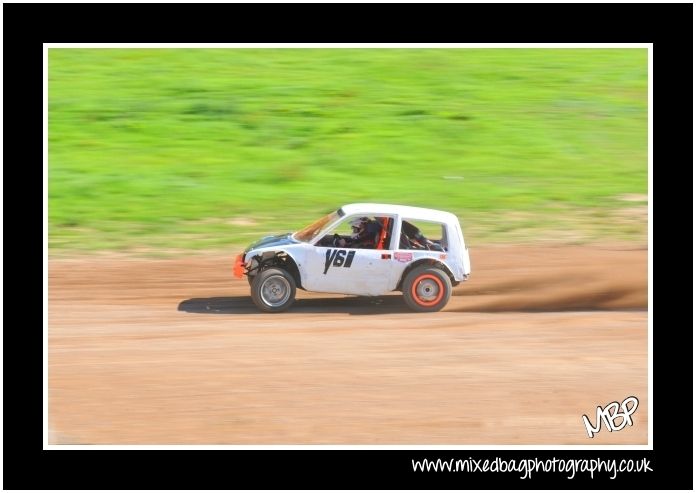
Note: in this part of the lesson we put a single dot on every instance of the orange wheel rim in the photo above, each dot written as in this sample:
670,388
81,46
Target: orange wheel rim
423,284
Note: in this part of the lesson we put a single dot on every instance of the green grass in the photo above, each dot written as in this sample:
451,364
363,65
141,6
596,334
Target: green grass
176,148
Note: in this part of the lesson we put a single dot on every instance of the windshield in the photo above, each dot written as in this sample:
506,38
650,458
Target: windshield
310,232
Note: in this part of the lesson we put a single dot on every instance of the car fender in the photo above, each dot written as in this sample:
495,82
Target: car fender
423,258
297,252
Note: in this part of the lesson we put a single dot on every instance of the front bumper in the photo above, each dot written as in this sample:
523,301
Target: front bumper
238,268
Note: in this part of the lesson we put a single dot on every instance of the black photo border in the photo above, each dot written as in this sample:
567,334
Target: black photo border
27,26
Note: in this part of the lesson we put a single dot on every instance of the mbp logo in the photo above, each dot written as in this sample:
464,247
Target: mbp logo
338,258
610,414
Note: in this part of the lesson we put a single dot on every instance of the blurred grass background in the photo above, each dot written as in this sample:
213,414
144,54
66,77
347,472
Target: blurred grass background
166,150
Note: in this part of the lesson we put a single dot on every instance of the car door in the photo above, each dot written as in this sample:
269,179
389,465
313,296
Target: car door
359,271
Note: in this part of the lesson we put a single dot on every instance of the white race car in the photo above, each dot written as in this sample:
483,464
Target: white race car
361,249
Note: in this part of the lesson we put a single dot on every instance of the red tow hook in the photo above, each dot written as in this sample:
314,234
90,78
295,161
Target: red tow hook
238,269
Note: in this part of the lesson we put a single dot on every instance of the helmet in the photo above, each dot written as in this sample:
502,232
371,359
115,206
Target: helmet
358,224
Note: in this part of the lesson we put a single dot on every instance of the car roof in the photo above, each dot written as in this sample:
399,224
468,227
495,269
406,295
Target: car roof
418,213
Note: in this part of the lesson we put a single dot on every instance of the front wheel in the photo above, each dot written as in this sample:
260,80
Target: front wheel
427,289
273,290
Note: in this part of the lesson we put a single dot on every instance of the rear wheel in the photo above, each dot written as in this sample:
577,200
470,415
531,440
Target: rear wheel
427,289
273,290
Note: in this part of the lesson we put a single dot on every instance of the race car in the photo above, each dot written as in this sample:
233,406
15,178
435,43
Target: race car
361,249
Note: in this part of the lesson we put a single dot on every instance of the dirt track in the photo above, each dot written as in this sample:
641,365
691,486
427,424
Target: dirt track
174,352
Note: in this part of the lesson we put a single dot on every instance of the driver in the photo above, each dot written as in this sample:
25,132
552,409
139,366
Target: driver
366,234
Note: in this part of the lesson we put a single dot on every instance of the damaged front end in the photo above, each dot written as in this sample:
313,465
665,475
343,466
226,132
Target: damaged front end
246,264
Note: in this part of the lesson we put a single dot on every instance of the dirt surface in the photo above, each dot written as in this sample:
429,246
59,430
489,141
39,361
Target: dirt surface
174,352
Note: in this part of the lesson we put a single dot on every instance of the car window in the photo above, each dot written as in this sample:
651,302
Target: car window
308,233
423,235
343,228
375,236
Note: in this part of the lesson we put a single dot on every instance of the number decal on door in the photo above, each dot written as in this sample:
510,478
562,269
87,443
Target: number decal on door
338,258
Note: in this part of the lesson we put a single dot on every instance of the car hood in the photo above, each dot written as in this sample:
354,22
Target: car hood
271,241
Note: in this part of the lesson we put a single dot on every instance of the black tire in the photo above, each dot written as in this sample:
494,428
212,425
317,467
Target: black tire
273,290
250,279
427,289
